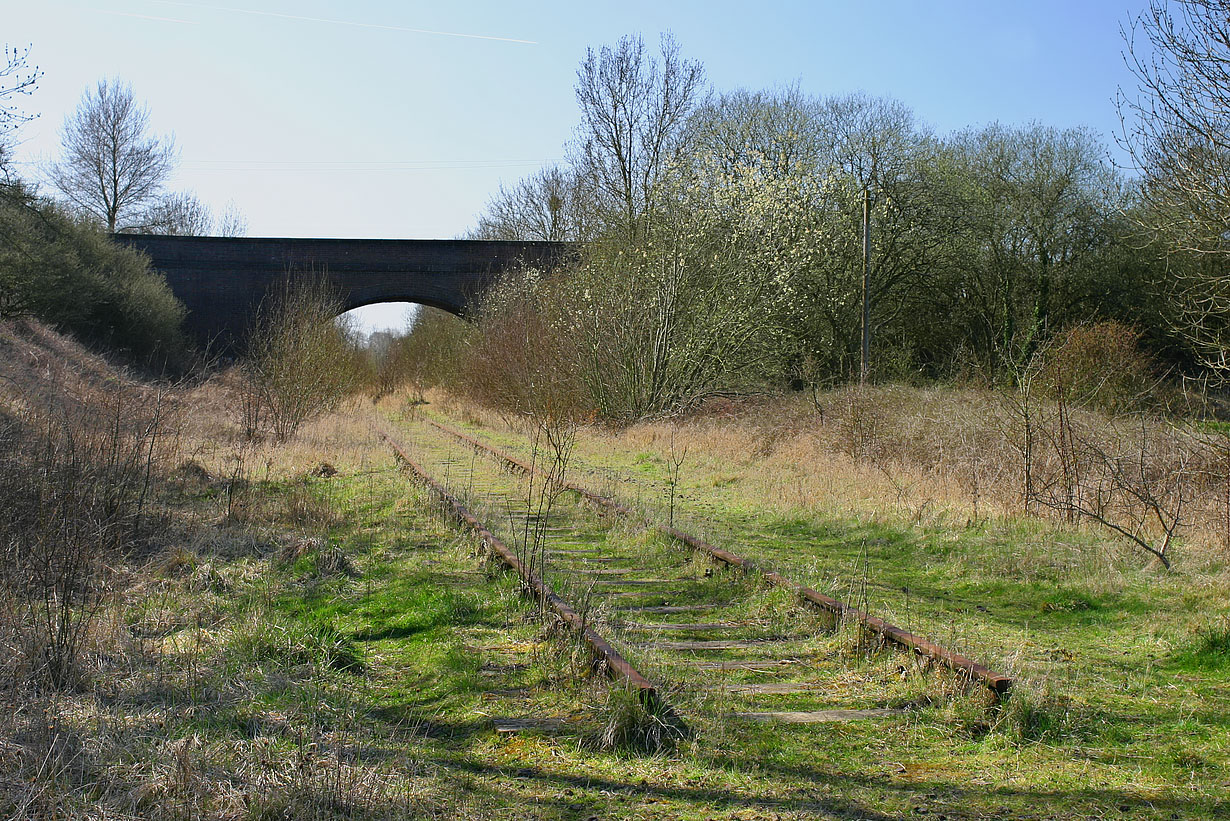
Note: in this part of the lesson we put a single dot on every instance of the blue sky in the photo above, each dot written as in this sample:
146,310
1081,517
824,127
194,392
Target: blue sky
376,118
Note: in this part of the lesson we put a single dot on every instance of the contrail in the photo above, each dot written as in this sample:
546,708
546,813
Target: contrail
346,22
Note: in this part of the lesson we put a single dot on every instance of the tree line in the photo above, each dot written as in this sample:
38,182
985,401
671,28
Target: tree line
724,233
742,240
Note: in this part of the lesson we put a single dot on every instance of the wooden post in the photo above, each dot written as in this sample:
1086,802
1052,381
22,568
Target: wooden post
865,364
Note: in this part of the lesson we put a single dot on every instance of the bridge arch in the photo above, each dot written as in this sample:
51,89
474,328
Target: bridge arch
408,296
223,280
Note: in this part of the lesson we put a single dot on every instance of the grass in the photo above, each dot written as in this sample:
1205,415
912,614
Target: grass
312,644
1209,648
1120,667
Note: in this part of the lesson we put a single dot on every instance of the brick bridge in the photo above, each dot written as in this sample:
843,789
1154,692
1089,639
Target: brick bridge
222,280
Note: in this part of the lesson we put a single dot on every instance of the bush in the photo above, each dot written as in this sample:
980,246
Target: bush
1100,366
522,359
300,363
76,484
70,275
427,356
633,331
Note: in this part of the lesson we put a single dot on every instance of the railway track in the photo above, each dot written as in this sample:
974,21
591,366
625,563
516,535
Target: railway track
718,631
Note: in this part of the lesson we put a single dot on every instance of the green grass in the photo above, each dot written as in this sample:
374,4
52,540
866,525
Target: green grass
1121,667
278,683
1209,648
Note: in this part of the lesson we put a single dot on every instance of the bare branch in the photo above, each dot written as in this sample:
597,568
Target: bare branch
16,79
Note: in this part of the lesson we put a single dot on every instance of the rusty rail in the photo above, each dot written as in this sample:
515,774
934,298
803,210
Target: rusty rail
616,665
996,682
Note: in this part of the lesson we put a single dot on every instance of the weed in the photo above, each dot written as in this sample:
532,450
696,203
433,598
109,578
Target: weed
1210,646
304,507
77,486
674,466
207,578
295,549
1039,712
333,562
632,724
1069,601
287,642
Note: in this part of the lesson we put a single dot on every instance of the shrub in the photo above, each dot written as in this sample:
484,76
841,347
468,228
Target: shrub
522,360
300,363
630,332
76,483
1100,366
70,275
427,356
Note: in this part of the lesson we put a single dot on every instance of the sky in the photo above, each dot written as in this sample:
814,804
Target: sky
386,119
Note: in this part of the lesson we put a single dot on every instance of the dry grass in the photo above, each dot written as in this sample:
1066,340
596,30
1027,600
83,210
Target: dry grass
934,456
151,620
42,369
197,703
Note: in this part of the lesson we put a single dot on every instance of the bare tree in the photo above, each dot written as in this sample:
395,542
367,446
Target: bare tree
1037,210
178,214
232,223
549,206
875,143
1177,126
184,214
633,110
1177,129
1135,483
16,79
777,132
111,168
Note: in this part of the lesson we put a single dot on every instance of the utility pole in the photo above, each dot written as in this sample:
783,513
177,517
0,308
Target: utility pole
865,364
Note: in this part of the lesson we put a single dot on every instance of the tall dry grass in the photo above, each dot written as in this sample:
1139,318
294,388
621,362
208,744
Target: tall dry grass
78,469
116,585
950,455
